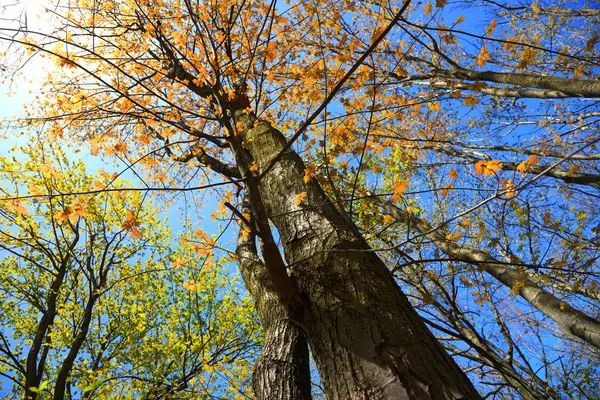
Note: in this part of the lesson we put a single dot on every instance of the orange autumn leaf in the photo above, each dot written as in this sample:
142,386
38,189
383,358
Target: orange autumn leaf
453,236
453,174
483,56
490,28
300,198
16,206
487,168
73,212
179,262
131,224
525,166
309,173
435,106
271,52
509,187
427,8
432,275
444,191
399,189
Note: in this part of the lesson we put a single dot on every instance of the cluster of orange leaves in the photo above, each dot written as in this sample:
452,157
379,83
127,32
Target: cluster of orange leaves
399,189
487,168
525,166
131,223
73,212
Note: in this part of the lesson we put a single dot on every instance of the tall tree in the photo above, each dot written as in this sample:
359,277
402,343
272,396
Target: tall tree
399,108
95,304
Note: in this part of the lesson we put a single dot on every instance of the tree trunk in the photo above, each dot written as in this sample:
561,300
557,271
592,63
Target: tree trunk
282,371
366,339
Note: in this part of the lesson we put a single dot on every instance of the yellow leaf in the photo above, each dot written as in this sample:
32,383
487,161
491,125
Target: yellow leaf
471,100
516,289
465,223
377,33
254,167
453,237
300,198
510,43
435,106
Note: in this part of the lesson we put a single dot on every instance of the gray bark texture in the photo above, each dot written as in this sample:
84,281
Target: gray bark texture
367,340
282,371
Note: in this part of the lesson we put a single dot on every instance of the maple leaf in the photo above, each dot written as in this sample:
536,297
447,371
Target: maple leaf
510,43
427,8
487,168
490,28
453,237
300,198
453,174
509,187
271,53
432,275
309,173
573,169
67,215
435,106
471,100
131,224
444,191
483,56
399,189
17,207
178,262
525,166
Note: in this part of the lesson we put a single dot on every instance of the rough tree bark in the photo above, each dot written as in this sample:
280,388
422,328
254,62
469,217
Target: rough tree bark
366,339
282,371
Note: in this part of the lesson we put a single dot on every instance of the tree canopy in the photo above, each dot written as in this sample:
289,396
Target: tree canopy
449,149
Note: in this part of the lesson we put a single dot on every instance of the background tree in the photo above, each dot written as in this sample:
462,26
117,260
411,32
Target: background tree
460,148
96,305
